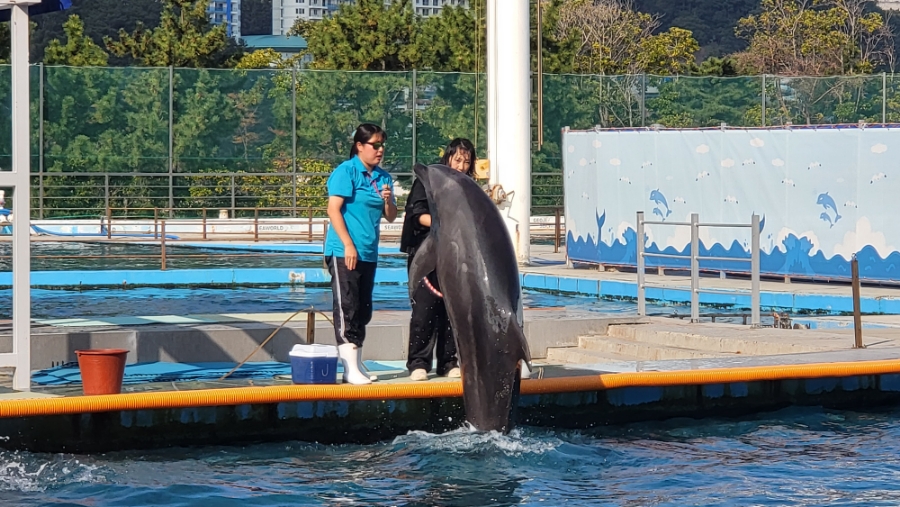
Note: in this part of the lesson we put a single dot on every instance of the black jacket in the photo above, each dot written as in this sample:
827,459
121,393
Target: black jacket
414,233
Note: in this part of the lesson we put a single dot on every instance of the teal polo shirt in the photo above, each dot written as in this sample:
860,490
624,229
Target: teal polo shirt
362,209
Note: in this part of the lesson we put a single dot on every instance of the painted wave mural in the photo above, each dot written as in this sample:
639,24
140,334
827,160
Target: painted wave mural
822,195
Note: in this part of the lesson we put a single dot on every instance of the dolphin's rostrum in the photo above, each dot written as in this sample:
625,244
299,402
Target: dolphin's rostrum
472,252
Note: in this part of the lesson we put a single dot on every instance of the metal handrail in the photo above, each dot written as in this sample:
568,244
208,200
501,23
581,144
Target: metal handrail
695,259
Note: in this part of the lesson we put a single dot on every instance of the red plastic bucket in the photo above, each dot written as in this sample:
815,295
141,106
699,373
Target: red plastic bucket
102,370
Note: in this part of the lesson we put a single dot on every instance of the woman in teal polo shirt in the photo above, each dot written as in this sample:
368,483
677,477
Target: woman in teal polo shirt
359,194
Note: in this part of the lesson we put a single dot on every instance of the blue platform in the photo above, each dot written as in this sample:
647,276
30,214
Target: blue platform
140,373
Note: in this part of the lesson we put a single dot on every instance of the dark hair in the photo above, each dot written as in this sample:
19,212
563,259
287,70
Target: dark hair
457,145
365,132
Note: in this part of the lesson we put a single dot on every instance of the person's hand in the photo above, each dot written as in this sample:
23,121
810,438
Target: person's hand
350,256
386,193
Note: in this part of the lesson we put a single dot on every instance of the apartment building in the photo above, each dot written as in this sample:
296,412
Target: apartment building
427,8
227,12
286,12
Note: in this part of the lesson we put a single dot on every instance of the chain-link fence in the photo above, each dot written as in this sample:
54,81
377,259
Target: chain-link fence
190,139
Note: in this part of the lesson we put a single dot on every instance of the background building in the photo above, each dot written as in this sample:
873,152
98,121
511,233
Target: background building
228,12
286,12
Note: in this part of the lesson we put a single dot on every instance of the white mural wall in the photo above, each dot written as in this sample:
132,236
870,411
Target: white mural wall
823,194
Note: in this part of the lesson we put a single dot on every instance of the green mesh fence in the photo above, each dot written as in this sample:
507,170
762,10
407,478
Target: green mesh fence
189,140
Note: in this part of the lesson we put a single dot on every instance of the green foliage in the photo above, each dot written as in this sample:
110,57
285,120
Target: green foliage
814,38
447,43
78,50
612,38
184,38
711,22
366,35
232,138
703,102
101,18
266,58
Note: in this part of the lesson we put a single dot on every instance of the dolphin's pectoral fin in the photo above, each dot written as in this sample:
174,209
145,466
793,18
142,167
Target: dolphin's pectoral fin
424,262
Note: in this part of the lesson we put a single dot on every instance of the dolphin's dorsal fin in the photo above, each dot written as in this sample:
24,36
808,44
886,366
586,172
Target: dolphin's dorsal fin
424,262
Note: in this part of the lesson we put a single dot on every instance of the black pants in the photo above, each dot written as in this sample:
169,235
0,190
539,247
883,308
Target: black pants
352,291
429,327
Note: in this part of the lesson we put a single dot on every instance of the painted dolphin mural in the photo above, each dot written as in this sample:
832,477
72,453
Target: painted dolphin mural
828,202
472,252
657,197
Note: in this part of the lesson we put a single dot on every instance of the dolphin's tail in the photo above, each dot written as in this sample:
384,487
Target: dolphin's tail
836,216
668,212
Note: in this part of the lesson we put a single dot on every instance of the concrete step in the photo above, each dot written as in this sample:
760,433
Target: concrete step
642,351
727,339
577,355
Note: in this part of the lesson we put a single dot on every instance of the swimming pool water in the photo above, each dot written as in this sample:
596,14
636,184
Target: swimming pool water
146,301
111,255
791,457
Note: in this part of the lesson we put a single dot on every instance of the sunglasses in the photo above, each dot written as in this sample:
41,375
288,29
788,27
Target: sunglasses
376,146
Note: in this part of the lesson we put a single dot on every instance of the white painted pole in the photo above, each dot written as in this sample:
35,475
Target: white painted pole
511,85
491,96
21,167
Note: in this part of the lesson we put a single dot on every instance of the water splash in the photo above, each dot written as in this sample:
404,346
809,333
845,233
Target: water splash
468,441
27,472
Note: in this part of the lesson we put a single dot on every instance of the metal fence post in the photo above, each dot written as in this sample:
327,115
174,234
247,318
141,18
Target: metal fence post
557,231
162,245
171,139
414,129
643,100
294,141
233,212
883,97
857,311
310,327
41,141
695,267
106,191
763,117
641,295
754,272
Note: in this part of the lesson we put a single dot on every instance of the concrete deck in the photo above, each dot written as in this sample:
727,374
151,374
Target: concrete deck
671,344
224,338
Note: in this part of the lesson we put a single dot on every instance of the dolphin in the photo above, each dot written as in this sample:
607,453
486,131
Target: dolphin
827,202
657,197
824,216
658,212
470,249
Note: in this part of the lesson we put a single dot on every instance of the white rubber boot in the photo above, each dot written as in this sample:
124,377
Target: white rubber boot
526,372
362,366
350,361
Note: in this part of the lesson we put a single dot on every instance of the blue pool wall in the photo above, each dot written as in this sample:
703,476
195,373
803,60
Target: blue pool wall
607,289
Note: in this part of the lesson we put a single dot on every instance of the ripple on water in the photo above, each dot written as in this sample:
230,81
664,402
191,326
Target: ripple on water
792,457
